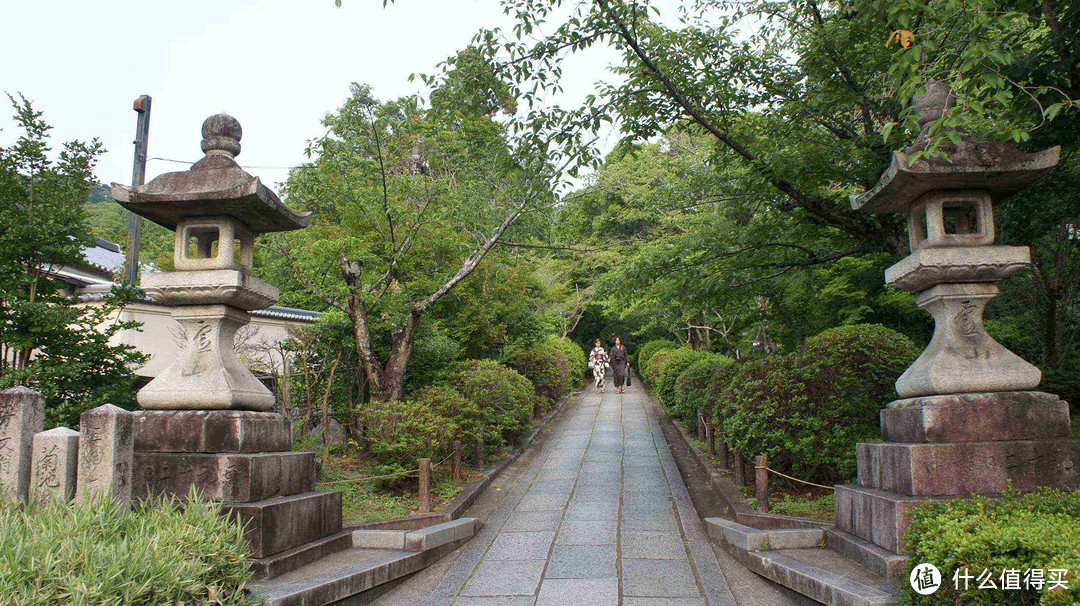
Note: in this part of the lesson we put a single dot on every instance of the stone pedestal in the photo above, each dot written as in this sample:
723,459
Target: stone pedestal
243,459
22,414
954,446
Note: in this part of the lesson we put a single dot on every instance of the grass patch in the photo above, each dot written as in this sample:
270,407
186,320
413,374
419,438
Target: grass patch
806,506
374,500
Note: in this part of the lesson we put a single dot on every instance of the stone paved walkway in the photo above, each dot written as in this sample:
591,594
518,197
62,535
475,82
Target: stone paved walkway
602,517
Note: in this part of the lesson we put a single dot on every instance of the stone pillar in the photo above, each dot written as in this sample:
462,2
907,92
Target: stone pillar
54,466
22,414
106,448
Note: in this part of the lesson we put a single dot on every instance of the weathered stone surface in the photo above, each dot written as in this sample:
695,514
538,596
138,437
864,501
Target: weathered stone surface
224,477
971,417
208,374
106,447
962,468
214,431
54,467
890,566
278,564
22,414
281,523
962,358
218,286
874,515
928,267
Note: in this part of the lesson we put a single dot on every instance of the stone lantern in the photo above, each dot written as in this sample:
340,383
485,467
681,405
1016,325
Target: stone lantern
969,421
207,423
216,209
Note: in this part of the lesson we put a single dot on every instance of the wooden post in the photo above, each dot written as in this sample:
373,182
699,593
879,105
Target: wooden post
425,485
710,439
701,424
740,469
761,481
479,453
722,453
457,461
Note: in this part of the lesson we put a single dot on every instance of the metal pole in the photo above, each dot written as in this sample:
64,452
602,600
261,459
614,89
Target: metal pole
138,177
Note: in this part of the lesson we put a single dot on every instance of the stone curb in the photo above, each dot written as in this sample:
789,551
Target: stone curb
720,482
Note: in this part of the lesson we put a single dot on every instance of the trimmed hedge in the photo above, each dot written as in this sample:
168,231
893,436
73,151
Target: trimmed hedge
807,411
695,386
545,365
1033,531
502,394
401,433
680,360
655,366
648,350
107,554
575,356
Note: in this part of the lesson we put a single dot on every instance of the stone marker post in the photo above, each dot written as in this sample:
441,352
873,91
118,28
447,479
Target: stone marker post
106,447
53,469
969,421
22,414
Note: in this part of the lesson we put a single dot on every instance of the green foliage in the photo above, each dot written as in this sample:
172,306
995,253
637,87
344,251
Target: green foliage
545,365
680,360
105,554
654,367
400,433
643,355
433,352
1033,531
822,508
47,340
466,415
695,386
806,411
575,357
501,393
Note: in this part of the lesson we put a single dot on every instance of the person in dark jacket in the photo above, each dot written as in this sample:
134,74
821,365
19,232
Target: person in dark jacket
620,364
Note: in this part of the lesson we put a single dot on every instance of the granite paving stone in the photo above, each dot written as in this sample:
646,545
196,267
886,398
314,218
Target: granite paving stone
653,545
521,546
582,562
581,592
505,577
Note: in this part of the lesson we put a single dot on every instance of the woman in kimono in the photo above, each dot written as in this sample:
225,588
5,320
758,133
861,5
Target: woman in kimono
620,364
598,360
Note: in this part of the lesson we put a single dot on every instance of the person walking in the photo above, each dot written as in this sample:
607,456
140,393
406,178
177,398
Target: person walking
598,362
620,364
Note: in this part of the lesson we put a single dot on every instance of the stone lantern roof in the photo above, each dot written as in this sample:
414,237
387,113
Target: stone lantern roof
213,186
998,169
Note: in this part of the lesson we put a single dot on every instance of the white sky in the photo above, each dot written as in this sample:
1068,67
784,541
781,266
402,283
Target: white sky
276,65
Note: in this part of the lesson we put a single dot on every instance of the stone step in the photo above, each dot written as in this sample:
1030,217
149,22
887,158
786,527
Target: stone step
756,539
875,515
291,559
348,572
963,468
211,431
817,573
882,562
238,478
281,523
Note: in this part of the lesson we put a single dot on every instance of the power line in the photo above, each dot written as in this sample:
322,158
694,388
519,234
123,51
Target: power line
241,165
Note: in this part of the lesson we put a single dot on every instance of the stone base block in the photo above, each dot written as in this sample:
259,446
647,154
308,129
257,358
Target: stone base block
962,468
876,516
289,560
972,417
891,566
224,477
281,523
214,431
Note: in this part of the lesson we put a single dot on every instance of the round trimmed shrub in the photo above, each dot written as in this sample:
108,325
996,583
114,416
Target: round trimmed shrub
432,351
807,411
401,433
545,365
694,387
648,350
575,356
449,403
676,363
501,393
655,366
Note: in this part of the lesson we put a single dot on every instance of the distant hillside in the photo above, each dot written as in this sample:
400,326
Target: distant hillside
109,221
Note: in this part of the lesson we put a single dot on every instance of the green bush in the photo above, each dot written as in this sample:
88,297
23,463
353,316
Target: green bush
501,393
807,411
107,554
579,364
648,350
1033,531
545,365
694,387
401,433
433,350
680,360
655,366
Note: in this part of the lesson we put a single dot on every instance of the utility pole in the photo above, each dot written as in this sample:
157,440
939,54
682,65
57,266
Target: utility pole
138,177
